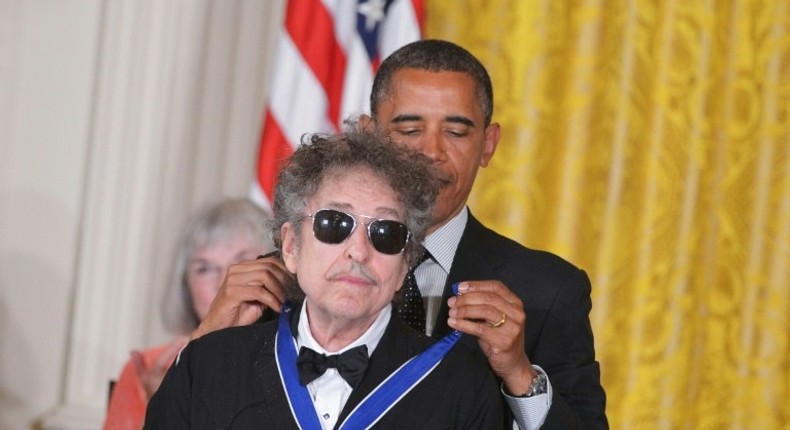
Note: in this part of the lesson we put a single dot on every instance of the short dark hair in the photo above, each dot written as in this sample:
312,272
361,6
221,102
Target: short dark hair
408,172
435,56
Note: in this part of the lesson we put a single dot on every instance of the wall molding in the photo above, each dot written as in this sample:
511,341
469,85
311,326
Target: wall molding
178,100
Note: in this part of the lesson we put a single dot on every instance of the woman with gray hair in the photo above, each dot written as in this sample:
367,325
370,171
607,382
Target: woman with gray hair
222,234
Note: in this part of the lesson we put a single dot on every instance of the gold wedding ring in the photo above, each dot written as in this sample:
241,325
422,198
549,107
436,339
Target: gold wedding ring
500,322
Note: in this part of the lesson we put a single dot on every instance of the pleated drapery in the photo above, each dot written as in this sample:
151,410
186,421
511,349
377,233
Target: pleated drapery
648,142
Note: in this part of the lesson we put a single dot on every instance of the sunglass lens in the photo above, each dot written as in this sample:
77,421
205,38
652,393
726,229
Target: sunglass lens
332,226
388,237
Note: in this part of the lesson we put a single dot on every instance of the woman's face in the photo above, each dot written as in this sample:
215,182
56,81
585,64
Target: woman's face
208,265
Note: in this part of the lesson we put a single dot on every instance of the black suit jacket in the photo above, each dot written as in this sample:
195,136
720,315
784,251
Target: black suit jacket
229,380
558,337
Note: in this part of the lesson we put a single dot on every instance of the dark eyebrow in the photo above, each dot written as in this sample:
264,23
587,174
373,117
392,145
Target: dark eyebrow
406,118
460,120
455,119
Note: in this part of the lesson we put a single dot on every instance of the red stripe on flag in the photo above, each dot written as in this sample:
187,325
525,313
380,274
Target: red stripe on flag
274,150
419,12
311,27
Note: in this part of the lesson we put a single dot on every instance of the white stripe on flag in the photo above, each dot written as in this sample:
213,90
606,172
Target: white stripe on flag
297,100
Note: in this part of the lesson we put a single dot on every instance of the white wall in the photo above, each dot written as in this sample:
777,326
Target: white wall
117,119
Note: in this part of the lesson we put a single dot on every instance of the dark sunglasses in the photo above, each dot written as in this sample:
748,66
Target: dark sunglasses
333,227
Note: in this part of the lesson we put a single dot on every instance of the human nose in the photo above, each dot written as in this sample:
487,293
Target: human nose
432,145
223,273
358,246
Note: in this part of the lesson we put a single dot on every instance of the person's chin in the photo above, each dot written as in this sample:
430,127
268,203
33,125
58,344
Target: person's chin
348,309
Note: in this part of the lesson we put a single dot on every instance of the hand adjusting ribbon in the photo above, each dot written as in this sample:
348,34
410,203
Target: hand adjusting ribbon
350,365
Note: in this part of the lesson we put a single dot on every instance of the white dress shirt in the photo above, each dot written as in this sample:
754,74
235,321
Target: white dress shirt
330,391
431,278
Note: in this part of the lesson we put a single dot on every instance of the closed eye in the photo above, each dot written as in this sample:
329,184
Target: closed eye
458,133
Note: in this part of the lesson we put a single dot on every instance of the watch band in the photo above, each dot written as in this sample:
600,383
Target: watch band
539,385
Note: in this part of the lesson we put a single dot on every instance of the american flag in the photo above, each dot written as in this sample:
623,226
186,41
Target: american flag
326,55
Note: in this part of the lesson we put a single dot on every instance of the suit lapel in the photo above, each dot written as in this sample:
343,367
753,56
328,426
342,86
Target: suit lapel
398,344
275,401
475,259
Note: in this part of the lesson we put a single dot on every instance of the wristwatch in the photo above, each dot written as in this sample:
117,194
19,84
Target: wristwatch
539,385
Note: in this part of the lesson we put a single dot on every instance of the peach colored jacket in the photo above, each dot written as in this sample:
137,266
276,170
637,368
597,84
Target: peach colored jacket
128,400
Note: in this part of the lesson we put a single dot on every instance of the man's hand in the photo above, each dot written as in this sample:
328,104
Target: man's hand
489,311
248,290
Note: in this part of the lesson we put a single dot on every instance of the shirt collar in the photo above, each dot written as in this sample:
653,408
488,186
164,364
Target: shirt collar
443,242
371,337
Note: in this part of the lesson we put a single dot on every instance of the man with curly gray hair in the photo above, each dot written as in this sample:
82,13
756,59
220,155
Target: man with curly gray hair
406,171
349,212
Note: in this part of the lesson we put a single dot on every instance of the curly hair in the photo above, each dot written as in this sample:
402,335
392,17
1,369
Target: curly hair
409,173
435,56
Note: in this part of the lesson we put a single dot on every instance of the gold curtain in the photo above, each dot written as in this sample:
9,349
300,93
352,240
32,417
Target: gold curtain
648,142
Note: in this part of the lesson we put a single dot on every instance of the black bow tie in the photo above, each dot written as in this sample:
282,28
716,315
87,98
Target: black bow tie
351,364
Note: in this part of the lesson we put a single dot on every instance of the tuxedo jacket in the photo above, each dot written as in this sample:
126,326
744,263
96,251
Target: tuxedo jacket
229,380
558,335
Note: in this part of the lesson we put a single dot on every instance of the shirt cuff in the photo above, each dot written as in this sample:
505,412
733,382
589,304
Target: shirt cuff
529,412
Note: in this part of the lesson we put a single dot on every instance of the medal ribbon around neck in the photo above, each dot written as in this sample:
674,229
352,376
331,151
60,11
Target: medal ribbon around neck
377,403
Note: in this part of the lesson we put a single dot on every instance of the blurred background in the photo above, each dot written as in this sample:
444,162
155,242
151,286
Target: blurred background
646,141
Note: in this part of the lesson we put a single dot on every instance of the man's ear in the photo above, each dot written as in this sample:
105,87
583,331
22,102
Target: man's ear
364,121
289,248
492,134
